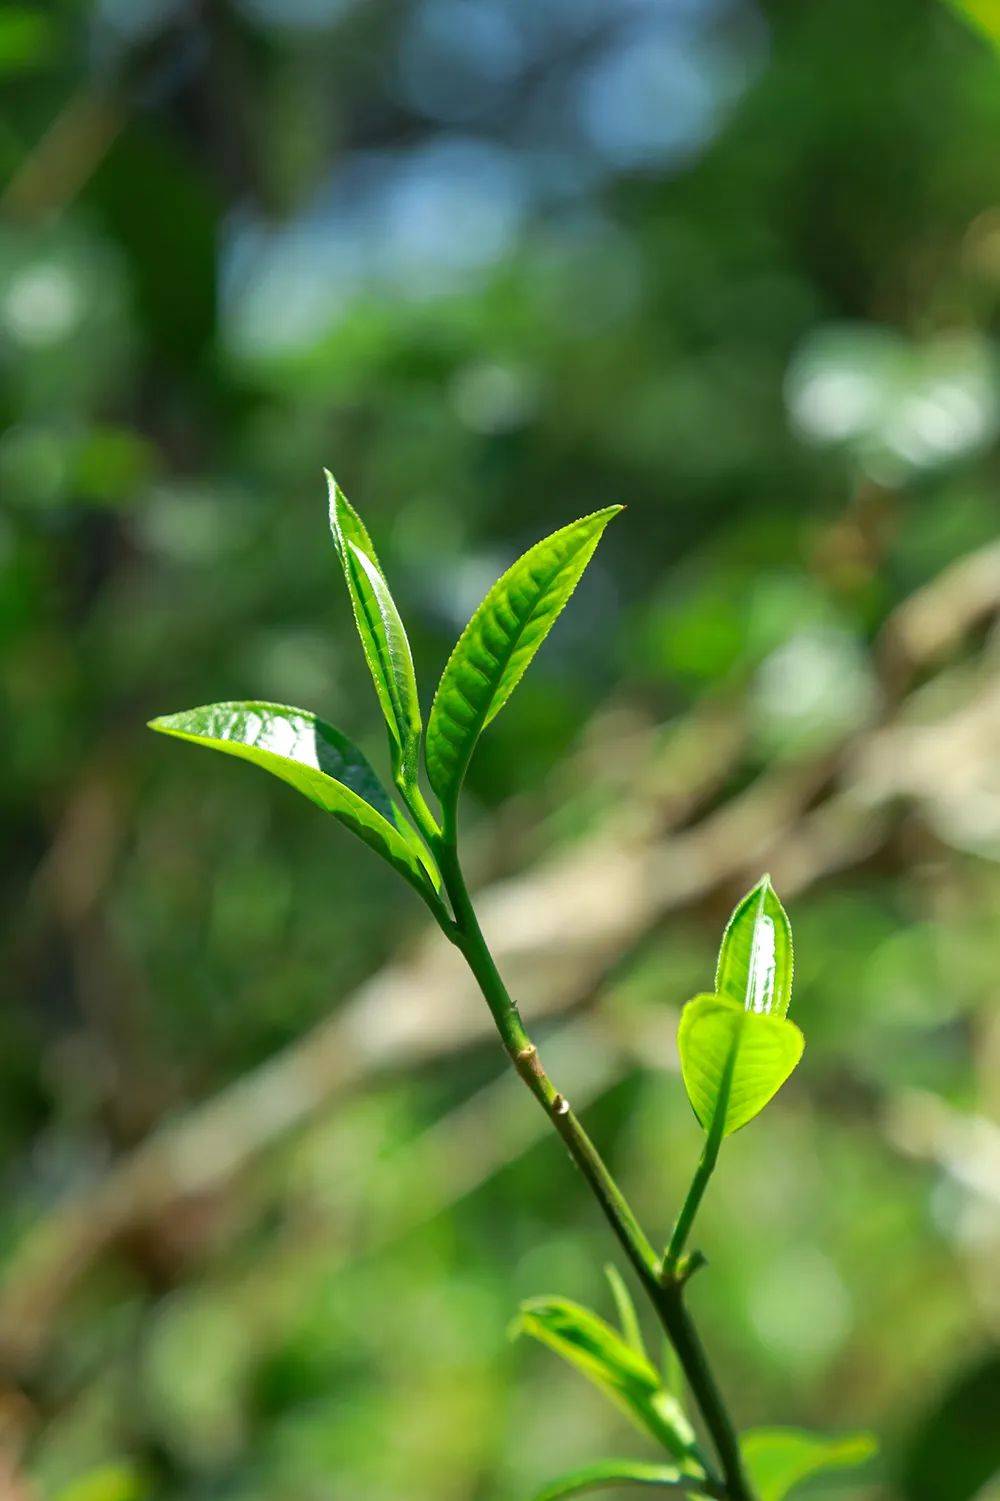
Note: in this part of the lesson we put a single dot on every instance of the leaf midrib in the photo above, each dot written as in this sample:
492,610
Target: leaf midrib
357,578
476,728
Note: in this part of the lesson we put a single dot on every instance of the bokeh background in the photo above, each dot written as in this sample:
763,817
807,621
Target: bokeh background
269,1202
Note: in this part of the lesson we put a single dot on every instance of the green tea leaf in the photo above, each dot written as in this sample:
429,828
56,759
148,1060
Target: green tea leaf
755,959
319,762
495,649
777,1459
737,1047
383,637
614,1472
622,1373
627,1316
733,1061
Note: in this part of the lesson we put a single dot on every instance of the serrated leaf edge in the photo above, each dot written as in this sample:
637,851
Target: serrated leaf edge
436,716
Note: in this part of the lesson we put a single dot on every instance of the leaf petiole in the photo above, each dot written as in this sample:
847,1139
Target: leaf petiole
704,1170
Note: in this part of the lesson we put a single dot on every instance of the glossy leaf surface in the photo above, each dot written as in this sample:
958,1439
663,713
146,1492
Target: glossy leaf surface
777,1459
498,644
317,761
605,1358
755,959
610,1473
383,636
733,1061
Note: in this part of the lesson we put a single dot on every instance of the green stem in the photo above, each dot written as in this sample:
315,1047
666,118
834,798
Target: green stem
668,1300
665,1295
427,824
417,804
689,1208
524,1056
705,1168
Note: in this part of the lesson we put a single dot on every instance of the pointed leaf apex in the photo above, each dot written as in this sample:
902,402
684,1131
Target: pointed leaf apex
755,958
383,635
167,724
334,496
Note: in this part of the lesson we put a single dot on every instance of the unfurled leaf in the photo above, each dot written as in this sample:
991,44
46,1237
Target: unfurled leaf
609,1473
319,762
627,1316
383,636
496,647
777,1459
755,959
622,1373
733,1061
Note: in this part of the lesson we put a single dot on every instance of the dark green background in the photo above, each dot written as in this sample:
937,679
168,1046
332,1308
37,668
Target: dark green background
497,263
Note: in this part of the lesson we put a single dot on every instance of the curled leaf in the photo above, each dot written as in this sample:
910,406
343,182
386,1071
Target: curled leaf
755,959
383,636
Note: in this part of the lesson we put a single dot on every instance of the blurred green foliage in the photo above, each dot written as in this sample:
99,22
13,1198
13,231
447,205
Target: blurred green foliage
733,262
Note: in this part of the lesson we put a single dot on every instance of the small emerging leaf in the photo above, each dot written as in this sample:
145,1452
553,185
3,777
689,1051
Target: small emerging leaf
733,1061
608,1473
777,1459
622,1373
319,762
495,649
627,1316
383,637
755,960
737,1047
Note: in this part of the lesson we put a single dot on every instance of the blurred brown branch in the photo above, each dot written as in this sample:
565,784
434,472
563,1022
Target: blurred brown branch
67,155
